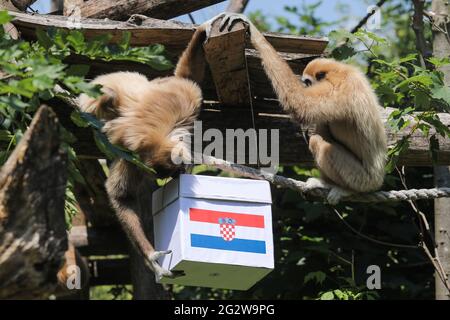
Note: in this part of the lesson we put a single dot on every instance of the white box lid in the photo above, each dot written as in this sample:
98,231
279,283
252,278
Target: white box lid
208,187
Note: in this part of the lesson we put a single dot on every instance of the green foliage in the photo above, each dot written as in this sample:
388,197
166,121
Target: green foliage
31,70
348,295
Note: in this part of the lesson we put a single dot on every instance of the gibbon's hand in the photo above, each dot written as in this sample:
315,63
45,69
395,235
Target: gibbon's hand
207,25
230,19
151,261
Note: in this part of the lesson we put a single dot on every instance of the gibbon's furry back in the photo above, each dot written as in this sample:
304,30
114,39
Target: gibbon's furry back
146,117
149,118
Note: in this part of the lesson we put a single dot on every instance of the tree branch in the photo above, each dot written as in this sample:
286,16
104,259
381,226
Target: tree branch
418,27
237,6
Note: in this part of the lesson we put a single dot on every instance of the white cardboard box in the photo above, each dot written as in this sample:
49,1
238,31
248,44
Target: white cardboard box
219,230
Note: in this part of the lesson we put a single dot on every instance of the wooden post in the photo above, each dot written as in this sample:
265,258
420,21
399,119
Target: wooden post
225,52
33,235
441,48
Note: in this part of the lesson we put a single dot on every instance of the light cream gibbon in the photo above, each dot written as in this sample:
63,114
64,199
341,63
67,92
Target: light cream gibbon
149,118
349,146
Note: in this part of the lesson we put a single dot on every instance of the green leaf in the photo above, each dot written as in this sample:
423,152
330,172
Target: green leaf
408,58
318,276
124,44
5,17
76,117
43,38
78,70
327,296
438,63
421,100
422,79
340,294
441,93
343,52
76,39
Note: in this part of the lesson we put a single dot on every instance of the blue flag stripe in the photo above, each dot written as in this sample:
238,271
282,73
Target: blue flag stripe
243,245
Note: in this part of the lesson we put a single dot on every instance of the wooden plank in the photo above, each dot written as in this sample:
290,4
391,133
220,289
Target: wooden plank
123,9
33,235
225,53
174,35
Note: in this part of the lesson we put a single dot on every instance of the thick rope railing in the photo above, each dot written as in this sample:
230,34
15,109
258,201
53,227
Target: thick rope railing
300,186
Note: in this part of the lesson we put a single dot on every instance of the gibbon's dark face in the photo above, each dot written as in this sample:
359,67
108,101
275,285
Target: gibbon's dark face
309,80
321,69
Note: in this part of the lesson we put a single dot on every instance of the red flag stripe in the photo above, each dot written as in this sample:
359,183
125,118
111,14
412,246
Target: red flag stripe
242,219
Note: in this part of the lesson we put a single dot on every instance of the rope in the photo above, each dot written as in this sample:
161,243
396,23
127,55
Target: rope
300,186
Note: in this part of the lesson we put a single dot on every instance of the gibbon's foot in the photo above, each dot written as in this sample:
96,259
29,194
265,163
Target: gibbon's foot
208,24
152,263
229,19
136,19
336,194
315,183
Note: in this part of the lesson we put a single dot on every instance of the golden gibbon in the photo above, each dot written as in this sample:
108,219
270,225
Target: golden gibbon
350,143
149,118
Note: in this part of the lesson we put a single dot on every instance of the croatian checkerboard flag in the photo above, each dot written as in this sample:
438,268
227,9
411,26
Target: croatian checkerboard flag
227,230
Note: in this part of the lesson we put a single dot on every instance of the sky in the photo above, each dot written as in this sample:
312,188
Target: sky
272,8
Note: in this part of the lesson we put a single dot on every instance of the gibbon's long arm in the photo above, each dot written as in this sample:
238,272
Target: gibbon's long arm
311,104
191,64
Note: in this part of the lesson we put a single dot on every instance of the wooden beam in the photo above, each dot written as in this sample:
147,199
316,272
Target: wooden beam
123,9
174,35
32,224
225,53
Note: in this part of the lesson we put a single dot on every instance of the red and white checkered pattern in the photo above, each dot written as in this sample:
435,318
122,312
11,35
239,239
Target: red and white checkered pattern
227,231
